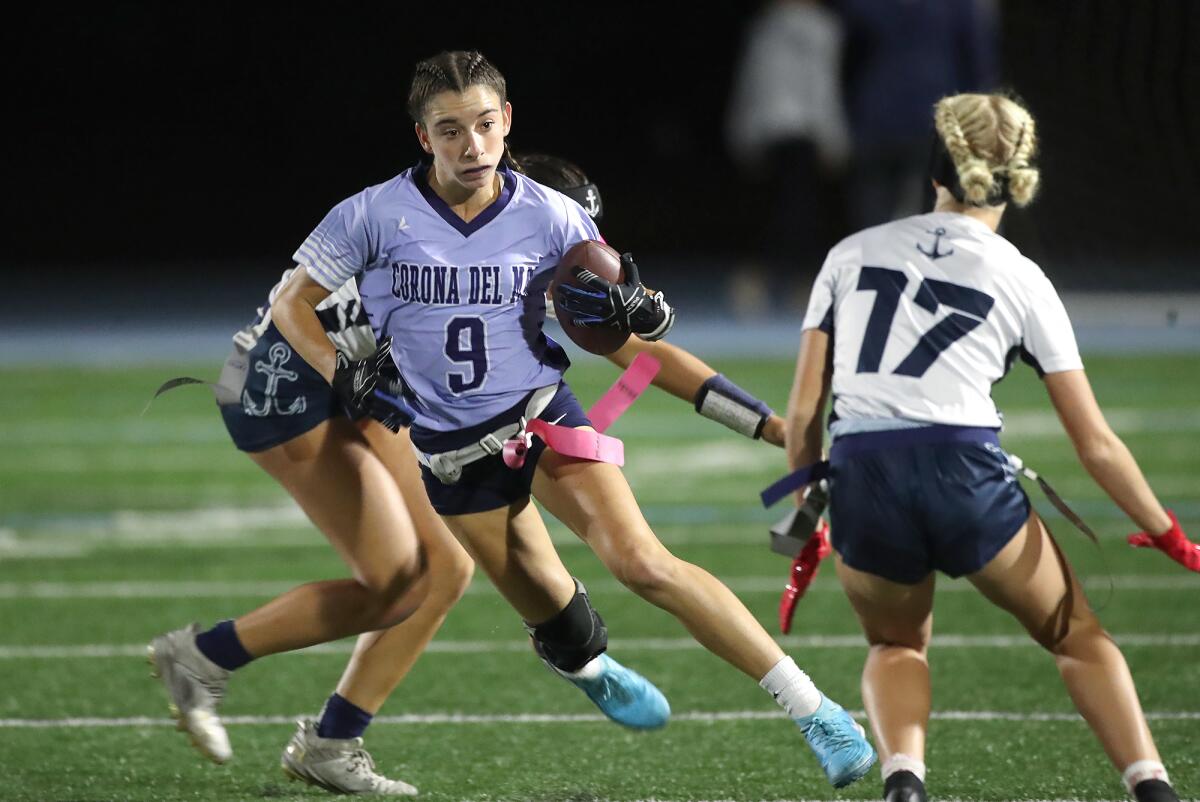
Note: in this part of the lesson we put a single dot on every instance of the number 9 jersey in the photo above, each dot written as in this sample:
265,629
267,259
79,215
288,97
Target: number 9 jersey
463,301
926,314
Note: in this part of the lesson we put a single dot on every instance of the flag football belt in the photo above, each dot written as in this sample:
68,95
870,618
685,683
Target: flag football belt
227,389
851,444
447,466
513,441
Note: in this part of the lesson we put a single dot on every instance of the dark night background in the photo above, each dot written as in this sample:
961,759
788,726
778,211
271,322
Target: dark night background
180,146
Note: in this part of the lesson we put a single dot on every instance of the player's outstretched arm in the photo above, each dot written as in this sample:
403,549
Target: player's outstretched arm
1109,462
1101,452
687,377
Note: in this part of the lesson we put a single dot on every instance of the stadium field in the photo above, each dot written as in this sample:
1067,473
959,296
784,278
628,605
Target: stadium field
116,526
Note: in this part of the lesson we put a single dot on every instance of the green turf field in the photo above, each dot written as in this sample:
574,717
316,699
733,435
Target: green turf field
114,527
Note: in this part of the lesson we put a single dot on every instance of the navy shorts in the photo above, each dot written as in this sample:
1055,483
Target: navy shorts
271,394
487,483
907,502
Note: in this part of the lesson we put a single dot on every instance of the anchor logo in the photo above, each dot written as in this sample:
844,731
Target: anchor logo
593,205
275,372
934,253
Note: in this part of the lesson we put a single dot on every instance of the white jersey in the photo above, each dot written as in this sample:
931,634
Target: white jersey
927,313
341,314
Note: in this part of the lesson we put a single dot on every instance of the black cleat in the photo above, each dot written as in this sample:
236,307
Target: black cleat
904,786
1154,791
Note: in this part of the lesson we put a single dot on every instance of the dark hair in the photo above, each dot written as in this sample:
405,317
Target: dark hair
454,71
552,171
567,178
451,71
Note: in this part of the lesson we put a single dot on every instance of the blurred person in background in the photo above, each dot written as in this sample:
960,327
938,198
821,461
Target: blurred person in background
787,131
899,59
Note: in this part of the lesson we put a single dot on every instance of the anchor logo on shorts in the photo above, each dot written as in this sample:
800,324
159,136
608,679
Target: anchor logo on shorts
275,372
934,253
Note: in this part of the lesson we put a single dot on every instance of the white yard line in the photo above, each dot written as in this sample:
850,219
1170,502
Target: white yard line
282,524
197,589
855,641
187,429
416,719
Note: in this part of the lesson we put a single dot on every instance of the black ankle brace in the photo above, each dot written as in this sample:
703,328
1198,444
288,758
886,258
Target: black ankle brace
572,637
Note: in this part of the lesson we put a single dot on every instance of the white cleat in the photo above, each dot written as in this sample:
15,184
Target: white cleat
195,686
340,765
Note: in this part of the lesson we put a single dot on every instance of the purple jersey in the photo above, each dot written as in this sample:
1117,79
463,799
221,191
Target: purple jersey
463,302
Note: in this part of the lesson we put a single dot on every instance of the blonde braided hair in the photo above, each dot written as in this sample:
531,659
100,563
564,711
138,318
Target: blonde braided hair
991,139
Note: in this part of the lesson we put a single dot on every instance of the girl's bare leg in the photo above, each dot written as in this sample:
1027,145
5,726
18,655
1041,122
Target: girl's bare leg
382,659
1031,579
594,500
897,620
349,495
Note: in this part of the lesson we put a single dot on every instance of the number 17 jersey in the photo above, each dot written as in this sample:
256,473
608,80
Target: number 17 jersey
927,313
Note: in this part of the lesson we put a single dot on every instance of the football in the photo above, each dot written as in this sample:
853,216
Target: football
604,262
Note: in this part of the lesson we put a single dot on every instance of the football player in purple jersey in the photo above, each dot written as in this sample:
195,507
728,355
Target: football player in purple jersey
452,260
292,422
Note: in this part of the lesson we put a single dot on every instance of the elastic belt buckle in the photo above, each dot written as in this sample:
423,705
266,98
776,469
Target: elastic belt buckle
491,444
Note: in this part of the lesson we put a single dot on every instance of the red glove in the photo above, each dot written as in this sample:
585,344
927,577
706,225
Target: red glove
804,569
1174,543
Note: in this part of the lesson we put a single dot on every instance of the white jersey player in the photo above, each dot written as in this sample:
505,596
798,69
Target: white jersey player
909,325
908,294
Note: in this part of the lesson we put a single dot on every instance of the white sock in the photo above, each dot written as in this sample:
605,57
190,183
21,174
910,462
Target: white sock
589,670
791,688
1143,770
902,762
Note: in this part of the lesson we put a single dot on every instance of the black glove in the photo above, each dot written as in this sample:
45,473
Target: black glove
625,307
373,387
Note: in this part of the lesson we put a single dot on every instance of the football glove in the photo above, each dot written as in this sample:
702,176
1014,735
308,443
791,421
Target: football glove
372,387
627,306
1174,543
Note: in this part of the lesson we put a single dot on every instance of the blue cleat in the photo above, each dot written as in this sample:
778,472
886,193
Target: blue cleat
838,741
622,694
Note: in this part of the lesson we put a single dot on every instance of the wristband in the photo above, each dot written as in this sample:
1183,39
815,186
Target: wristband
721,400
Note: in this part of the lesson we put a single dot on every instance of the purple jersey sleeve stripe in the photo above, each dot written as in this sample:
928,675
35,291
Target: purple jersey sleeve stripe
327,274
322,257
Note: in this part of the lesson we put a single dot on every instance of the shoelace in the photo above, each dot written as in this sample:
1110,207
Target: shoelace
362,764
822,728
610,687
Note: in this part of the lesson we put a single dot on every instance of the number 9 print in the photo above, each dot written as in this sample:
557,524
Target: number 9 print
466,343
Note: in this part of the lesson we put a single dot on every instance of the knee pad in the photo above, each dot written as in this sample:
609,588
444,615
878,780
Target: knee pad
573,636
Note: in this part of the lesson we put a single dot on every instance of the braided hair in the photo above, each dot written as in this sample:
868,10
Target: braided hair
988,142
455,71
